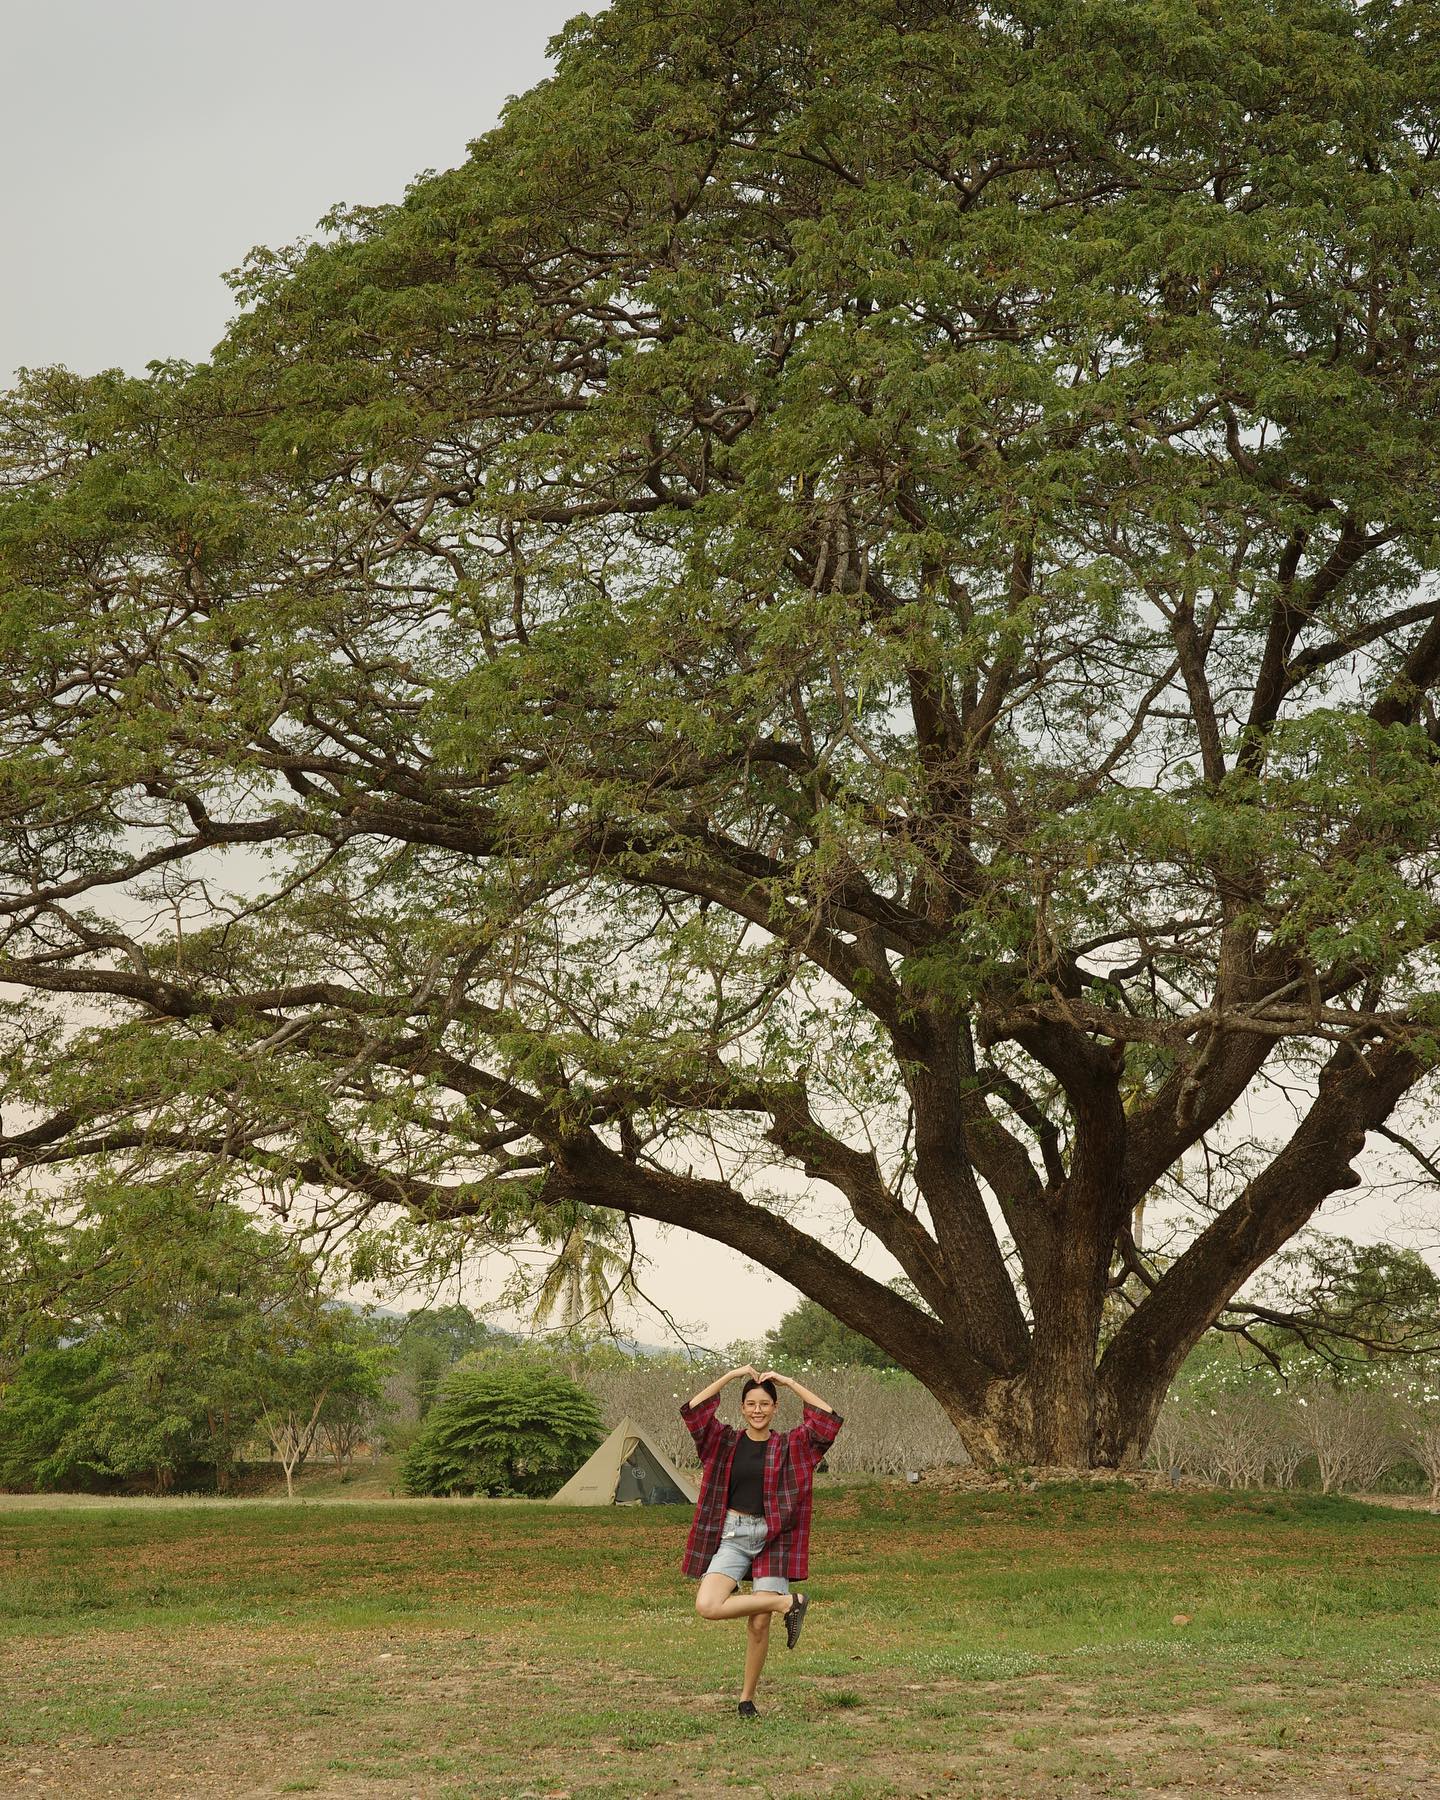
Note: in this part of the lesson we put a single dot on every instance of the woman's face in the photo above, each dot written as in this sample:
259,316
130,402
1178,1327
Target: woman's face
758,1409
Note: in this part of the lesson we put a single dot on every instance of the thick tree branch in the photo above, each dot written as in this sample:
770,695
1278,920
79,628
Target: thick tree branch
1358,1091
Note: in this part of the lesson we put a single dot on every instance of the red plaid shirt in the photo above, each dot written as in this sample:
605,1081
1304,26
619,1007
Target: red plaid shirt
791,1458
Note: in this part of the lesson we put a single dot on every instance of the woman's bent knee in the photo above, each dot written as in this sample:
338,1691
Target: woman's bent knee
714,1592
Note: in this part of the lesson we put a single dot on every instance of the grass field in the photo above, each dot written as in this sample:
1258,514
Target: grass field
1072,1641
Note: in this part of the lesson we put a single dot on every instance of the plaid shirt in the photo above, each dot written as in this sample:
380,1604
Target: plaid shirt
791,1458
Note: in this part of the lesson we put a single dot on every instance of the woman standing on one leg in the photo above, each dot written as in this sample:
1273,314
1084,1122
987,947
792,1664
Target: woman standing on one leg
752,1519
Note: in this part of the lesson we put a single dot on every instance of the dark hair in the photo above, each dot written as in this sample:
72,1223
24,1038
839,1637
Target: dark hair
769,1387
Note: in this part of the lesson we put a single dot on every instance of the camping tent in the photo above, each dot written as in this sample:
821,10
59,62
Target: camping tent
626,1470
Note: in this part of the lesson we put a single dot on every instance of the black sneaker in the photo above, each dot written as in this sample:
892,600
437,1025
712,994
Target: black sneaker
795,1621
747,1710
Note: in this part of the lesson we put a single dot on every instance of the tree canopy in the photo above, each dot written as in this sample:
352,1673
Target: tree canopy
1353,1303
846,604
809,1334
147,1341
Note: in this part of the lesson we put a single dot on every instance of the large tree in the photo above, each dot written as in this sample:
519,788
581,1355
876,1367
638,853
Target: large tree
843,605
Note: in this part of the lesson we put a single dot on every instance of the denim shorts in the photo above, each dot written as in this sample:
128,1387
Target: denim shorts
741,1541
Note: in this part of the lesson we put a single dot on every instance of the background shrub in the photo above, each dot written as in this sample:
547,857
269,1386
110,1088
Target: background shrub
502,1430
892,1424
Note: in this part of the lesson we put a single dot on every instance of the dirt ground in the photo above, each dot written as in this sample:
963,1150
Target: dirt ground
429,1714
1090,1646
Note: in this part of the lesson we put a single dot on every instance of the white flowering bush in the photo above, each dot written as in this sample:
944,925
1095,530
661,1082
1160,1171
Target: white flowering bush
1351,1433
1246,1437
1230,1423
1238,1424
892,1424
1416,1396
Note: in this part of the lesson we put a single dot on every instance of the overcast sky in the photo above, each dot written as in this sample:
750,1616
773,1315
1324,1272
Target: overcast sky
149,144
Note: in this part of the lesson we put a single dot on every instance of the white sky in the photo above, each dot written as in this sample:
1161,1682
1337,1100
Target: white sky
151,143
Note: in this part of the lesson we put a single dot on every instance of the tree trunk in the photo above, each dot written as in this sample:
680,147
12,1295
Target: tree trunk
1064,1421
1068,1300
1124,1425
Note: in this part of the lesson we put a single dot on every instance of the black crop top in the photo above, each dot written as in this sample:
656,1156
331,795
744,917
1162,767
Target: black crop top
747,1476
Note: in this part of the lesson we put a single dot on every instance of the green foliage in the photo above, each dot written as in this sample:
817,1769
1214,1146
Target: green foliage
157,1333
809,1334
454,1330
1366,1301
502,1431
318,1358
430,1341
1334,1313
43,1414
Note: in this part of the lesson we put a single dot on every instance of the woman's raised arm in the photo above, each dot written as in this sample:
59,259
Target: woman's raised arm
720,1382
801,1393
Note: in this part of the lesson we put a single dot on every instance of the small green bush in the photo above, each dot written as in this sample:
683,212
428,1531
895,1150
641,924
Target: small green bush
501,1431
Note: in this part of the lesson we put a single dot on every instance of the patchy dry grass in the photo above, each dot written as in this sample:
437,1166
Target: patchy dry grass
1072,1642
